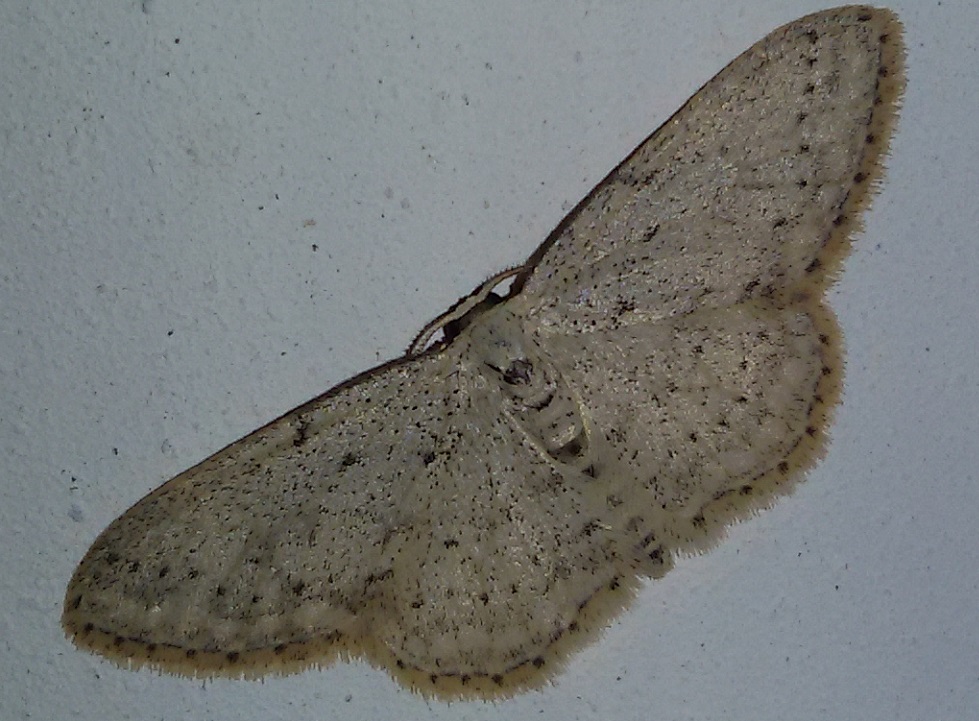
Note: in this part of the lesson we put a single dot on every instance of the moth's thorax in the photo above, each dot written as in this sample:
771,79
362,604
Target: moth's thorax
532,389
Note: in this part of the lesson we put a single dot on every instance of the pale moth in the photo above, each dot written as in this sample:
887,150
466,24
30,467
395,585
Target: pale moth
469,514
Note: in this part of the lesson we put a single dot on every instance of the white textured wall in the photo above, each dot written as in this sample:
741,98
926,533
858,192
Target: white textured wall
166,169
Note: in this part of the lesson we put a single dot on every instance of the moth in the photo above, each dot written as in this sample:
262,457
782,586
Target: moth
469,514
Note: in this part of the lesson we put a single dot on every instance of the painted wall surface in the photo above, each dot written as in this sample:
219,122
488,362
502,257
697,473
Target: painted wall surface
211,212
